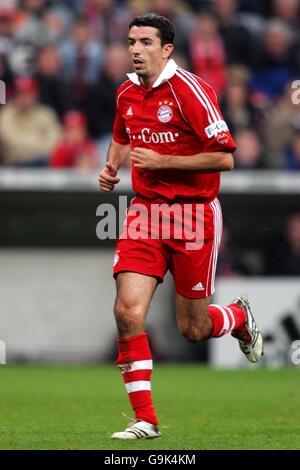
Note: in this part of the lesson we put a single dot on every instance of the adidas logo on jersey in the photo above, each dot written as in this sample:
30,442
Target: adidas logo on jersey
198,286
129,111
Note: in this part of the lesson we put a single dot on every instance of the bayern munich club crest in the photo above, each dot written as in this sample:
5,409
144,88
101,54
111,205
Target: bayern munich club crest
165,113
223,138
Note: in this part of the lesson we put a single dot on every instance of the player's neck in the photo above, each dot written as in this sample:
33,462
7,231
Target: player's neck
148,81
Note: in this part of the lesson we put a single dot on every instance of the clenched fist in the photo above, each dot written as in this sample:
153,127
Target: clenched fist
108,177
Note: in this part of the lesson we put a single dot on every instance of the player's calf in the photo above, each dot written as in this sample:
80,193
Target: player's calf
193,320
195,332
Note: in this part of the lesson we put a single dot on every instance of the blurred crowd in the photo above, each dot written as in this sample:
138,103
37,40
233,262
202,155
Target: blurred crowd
62,62
280,256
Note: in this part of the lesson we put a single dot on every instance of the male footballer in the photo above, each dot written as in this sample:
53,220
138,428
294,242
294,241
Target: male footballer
169,123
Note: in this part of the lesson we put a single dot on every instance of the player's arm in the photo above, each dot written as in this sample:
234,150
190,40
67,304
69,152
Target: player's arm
117,153
205,162
116,157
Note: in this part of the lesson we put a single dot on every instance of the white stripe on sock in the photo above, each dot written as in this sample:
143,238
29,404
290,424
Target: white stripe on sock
137,386
233,320
226,324
136,365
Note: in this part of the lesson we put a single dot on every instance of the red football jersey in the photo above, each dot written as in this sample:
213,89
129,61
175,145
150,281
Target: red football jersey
178,115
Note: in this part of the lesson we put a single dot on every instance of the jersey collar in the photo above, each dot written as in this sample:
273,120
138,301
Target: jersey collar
168,72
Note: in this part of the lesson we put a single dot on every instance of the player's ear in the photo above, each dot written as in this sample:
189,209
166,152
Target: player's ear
168,48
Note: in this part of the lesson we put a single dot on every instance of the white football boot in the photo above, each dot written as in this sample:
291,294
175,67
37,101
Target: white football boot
138,429
249,337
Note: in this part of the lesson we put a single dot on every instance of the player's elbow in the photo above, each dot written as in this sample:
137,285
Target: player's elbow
228,162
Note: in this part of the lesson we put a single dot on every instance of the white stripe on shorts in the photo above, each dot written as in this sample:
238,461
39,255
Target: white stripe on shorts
217,214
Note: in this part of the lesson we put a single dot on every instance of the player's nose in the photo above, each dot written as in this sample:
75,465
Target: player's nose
136,49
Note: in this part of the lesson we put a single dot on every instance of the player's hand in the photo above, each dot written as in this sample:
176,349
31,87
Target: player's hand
108,177
147,159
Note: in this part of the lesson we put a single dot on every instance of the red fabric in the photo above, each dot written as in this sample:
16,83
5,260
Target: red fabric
208,61
66,155
154,256
74,119
239,316
189,107
141,403
133,349
217,321
137,375
219,326
26,84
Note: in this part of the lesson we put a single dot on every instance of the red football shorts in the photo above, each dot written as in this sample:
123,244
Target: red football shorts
183,238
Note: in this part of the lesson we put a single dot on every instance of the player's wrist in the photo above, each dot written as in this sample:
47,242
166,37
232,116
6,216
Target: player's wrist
167,162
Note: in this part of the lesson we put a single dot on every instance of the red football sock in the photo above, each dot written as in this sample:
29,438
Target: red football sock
135,363
226,319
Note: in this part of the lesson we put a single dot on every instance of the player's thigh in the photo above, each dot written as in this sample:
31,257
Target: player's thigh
134,292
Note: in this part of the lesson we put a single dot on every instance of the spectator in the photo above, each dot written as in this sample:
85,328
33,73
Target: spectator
249,153
6,29
291,157
76,149
107,19
282,122
207,54
254,6
237,109
252,15
181,60
240,45
57,24
6,77
287,11
30,33
74,5
101,102
137,7
277,65
283,254
238,74
230,259
53,89
82,60
28,130
180,16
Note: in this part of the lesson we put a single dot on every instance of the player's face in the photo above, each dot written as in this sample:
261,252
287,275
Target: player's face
147,54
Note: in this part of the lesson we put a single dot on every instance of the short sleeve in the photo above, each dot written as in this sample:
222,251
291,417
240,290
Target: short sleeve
119,129
201,109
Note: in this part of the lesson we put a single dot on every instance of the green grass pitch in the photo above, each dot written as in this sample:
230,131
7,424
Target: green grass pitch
79,407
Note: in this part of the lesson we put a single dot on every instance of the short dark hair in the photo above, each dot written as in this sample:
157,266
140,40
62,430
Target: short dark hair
166,30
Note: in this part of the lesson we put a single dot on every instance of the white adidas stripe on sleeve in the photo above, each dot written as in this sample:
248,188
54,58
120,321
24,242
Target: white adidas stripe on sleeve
212,113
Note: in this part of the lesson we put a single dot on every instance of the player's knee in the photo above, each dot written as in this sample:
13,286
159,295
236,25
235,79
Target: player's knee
193,334
196,332
128,317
